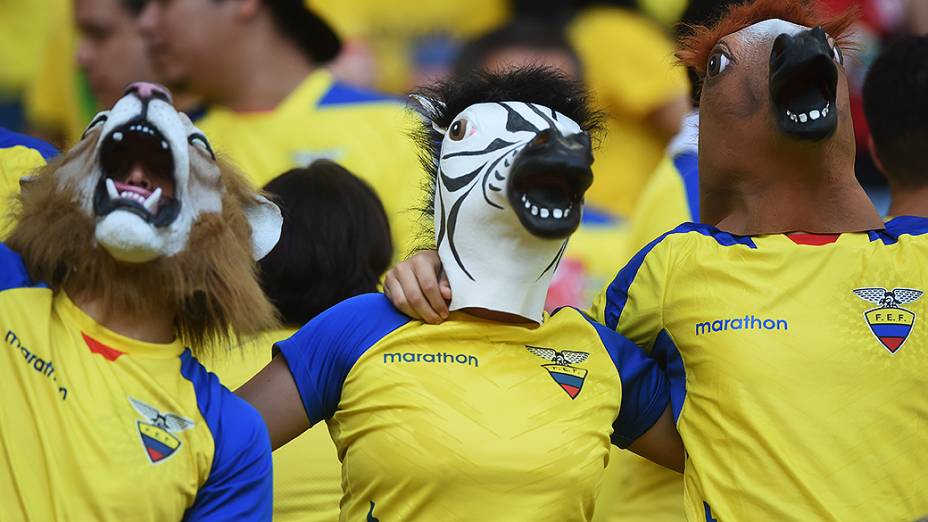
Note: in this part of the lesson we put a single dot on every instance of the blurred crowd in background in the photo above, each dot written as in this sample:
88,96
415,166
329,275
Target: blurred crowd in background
66,59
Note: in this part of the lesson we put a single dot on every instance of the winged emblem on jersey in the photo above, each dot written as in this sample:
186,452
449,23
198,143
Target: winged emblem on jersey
158,433
890,323
569,378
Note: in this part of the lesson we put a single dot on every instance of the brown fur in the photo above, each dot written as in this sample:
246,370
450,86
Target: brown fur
211,285
695,49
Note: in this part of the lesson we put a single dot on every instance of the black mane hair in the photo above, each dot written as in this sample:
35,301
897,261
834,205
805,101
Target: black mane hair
531,84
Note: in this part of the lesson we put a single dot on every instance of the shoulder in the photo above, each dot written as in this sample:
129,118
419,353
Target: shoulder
10,139
615,343
13,273
688,234
340,95
898,227
232,421
358,321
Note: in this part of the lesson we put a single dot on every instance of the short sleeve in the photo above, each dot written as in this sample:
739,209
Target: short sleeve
322,352
645,390
240,483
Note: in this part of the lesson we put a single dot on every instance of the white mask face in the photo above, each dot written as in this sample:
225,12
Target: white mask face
141,217
508,195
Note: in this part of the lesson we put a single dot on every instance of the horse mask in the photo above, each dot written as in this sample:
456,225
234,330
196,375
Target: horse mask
774,118
510,174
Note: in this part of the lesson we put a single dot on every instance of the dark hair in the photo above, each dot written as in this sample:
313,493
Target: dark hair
312,34
532,84
335,242
896,104
530,32
134,7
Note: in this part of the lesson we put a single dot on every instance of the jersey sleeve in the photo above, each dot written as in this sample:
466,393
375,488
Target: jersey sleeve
632,303
13,273
322,352
645,389
240,482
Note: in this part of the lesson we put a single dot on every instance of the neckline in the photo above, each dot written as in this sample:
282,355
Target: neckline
108,343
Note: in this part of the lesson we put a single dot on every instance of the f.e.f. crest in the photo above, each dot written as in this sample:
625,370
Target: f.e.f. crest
890,323
568,377
158,433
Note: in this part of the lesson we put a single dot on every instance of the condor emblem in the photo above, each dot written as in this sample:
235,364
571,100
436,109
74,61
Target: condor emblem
570,379
158,433
890,323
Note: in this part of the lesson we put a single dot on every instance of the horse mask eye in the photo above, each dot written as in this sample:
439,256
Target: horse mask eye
717,63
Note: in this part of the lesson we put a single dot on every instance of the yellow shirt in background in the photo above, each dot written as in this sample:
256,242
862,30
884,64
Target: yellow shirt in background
629,67
20,155
411,35
365,132
307,473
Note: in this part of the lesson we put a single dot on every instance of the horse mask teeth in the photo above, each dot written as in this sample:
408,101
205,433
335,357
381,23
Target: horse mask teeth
511,178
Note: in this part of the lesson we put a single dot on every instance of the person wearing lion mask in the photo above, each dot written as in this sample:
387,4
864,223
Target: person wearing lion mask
129,247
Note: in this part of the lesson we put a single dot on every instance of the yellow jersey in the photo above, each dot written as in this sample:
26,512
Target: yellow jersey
797,367
367,133
628,89
471,419
307,473
98,426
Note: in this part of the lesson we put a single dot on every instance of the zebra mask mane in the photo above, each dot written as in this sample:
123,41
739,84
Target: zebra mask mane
509,192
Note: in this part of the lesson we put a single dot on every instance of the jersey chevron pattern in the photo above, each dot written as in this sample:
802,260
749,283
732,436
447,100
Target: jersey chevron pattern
798,371
97,426
471,419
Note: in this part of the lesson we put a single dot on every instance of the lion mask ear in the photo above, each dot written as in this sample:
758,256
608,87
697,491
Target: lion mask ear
266,221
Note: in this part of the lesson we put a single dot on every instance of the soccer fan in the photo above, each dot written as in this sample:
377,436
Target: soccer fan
787,329
124,249
447,422
334,244
259,66
897,111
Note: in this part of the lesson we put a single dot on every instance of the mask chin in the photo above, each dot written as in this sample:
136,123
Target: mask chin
128,238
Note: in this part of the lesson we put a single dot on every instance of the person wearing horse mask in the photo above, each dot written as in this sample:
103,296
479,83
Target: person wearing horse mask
503,411
788,324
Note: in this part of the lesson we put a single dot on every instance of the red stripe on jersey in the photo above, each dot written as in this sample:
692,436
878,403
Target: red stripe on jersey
803,238
97,347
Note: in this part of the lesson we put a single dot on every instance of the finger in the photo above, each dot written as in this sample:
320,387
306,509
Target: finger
428,283
394,292
417,301
444,286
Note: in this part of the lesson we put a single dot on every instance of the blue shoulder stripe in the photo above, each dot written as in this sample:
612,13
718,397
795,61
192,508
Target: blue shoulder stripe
341,94
10,139
617,292
13,273
240,483
321,354
687,165
898,226
645,392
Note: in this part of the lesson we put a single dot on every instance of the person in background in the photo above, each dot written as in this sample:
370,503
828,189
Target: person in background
335,244
897,111
628,64
272,106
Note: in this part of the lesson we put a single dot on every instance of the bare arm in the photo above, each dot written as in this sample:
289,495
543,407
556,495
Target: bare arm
274,394
661,443
419,288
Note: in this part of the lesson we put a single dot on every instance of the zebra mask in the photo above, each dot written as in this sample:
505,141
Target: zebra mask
509,194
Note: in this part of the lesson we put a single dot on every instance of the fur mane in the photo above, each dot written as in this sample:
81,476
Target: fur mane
532,84
211,285
696,46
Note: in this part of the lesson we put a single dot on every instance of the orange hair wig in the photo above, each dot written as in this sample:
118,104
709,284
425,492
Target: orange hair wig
695,48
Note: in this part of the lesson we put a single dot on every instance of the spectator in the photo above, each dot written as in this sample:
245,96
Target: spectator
897,110
335,244
272,106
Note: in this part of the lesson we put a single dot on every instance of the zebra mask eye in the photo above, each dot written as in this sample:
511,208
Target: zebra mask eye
458,129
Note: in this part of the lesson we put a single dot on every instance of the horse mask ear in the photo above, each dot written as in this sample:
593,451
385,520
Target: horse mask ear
266,222
430,109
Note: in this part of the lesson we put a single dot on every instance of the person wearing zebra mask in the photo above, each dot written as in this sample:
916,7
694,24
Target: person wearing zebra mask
502,411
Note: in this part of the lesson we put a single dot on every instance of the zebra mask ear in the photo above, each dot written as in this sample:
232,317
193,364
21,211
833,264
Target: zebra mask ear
429,108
